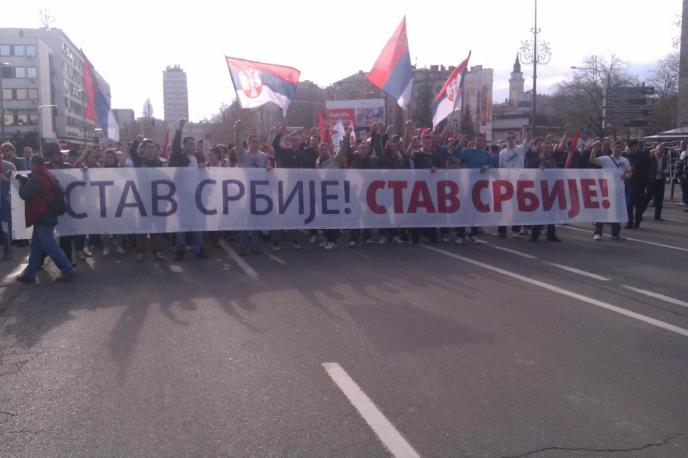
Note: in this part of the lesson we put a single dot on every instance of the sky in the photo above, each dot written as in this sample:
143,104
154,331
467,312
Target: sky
131,42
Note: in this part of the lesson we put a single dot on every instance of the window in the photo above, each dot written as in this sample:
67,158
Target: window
9,118
31,72
20,72
4,50
30,50
33,94
22,118
20,94
19,50
33,119
7,94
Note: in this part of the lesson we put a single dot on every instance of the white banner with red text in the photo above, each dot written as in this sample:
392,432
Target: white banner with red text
151,200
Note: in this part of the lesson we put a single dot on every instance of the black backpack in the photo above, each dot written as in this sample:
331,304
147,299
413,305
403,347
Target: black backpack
58,205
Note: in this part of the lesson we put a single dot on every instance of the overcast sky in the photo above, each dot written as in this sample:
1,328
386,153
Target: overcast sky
131,42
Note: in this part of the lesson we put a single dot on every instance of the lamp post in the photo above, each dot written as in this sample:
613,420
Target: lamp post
40,126
535,52
2,103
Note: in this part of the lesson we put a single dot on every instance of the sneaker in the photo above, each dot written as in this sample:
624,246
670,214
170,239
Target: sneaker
120,250
106,251
619,237
24,279
397,240
276,247
296,246
597,237
201,254
313,239
65,278
459,241
179,256
382,241
476,241
516,235
330,246
445,239
323,243
523,232
87,252
352,243
369,242
80,255
139,257
158,256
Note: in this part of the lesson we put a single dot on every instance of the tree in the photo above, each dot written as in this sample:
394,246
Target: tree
665,81
147,109
580,99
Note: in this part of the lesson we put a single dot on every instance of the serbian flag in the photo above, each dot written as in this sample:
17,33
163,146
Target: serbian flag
448,100
324,128
572,150
257,83
166,144
392,71
89,89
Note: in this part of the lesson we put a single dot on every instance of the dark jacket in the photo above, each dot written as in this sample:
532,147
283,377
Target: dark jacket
363,162
426,161
652,173
38,193
18,162
287,158
139,160
178,158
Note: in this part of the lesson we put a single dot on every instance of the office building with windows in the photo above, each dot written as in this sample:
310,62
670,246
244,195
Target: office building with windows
41,75
175,94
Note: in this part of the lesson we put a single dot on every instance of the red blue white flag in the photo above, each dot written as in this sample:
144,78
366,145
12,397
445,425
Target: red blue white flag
257,83
392,71
448,100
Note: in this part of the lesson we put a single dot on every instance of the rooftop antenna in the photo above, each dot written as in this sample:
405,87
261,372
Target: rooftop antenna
46,18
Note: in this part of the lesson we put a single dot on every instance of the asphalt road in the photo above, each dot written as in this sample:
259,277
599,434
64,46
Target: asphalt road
546,350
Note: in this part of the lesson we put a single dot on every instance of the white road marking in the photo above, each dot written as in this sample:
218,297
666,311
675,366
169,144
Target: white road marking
385,430
663,245
517,253
662,297
565,292
239,260
579,272
277,259
671,220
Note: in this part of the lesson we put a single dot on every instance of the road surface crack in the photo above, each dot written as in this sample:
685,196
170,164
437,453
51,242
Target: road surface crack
598,450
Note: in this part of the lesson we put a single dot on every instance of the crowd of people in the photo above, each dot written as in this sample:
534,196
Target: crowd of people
644,173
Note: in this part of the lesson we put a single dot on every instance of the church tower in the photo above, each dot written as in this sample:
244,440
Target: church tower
515,84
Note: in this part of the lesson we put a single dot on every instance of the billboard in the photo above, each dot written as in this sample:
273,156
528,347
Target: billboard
362,112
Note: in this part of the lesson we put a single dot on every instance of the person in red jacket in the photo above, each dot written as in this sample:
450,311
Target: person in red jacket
38,192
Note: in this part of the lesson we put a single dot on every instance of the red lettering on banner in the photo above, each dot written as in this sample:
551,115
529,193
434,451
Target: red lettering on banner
420,197
447,193
397,188
557,192
589,193
527,200
502,190
477,189
371,196
573,198
604,188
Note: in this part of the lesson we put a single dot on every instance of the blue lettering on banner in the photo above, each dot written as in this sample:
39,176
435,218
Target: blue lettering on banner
169,197
311,201
227,198
282,205
130,186
325,197
101,193
199,197
68,194
264,197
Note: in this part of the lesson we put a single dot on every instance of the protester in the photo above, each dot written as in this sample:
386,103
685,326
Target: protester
27,153
362,158
548,160
143,154
683,166
513,157
253,158
39,193
615,162
327,160
473,158
659,170
185,154
640,162
7,169
423,158
9,154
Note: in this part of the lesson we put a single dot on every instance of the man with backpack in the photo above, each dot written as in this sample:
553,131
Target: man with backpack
44,199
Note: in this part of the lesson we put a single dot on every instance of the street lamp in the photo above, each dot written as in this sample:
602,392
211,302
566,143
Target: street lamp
40,126
2,103
535,52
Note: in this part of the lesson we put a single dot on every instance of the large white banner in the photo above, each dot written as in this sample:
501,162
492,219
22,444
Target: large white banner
148,200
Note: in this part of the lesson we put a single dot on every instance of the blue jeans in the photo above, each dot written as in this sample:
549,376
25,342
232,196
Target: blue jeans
43,241
248,240
196,241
